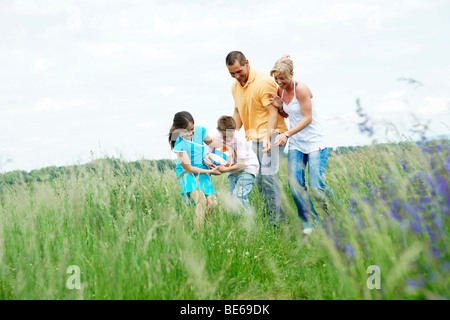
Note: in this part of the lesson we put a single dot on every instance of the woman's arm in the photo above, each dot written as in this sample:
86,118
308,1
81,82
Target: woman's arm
278,103
282,113
304,97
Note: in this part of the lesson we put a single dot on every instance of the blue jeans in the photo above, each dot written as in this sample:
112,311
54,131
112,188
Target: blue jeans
267,180
317,162
240,186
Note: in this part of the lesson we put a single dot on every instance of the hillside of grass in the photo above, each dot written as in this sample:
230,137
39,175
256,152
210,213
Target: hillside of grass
126,229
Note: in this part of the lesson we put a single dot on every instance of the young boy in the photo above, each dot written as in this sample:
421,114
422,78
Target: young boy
242,173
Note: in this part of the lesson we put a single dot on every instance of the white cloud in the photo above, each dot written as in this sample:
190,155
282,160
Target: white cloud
392,106
435,106
345,11
395,95
332,43
40,140
103,50
392,49
48,104
153,51
42,64
215,76
148,124
167,90
124,22
343,121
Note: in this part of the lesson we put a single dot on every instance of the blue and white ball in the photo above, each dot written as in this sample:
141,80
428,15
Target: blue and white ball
221,156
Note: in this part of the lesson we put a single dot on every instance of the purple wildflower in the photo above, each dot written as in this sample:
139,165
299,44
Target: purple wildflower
415,222
353,206
431,233
422,145
423,180
364,126
442,186
409,209
416,284
415,227
349,251
437,221
445,267
436,251
403,164
365,199
395,210
376,191
447,164
425,202
411,283
360,221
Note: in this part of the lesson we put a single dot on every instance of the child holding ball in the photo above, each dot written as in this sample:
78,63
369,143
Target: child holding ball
242,174
194,177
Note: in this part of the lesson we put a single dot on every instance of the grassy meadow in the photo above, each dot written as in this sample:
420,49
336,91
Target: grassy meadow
132,237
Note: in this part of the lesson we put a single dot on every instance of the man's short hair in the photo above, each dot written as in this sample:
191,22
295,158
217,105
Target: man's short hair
234,56
226,123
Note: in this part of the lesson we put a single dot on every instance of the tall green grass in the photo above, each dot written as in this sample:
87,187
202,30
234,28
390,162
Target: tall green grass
133,237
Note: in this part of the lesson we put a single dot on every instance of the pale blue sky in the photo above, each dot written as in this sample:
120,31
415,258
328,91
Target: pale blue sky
83,79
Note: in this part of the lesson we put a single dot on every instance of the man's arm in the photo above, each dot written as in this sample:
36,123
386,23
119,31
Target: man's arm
272,122
237,119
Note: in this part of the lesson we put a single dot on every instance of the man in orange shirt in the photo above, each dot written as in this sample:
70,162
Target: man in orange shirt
254,110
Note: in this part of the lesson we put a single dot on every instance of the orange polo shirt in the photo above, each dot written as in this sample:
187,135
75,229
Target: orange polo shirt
250,101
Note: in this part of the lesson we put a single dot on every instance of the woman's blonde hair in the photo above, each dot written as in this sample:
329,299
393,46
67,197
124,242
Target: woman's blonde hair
284,65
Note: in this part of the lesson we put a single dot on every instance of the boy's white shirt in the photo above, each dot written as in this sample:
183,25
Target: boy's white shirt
243,150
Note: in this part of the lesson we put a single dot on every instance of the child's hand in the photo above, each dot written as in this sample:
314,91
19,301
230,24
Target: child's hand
207,161
216,170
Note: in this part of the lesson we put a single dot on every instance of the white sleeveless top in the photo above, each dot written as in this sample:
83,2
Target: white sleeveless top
311,138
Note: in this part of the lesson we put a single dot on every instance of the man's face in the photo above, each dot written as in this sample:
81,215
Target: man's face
240,73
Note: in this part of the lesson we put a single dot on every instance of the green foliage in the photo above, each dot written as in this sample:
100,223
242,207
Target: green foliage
51,173
126,227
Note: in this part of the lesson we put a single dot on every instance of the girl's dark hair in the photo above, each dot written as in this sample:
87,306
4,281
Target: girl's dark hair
180,121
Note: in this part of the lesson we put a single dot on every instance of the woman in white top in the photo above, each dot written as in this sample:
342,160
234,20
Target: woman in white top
306,142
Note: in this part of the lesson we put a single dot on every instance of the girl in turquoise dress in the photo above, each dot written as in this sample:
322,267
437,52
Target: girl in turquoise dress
188,142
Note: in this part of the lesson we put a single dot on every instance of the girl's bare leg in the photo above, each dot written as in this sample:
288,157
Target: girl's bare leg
199,198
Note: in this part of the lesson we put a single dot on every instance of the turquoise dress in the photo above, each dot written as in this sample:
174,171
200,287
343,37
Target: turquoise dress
195,149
